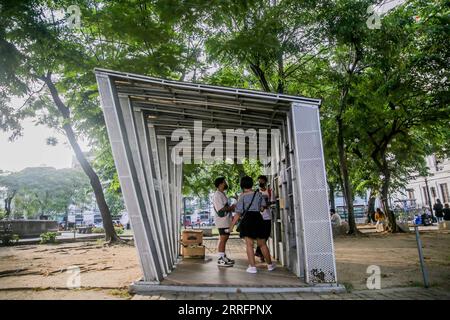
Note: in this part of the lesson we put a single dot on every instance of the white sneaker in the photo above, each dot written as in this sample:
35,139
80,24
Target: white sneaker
251,269
271,266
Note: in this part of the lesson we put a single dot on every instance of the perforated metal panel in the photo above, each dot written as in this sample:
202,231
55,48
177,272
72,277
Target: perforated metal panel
145,242
164,165
144,162
319,259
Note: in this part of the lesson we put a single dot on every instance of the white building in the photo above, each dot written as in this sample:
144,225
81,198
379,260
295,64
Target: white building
438,182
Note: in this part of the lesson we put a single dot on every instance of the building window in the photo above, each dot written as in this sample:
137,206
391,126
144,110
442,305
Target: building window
411,194
433,192
444,191
438,163
425,195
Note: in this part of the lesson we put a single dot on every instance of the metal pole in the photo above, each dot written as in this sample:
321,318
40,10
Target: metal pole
422,262
429,199
184,213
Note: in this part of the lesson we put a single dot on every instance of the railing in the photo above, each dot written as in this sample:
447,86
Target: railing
407,215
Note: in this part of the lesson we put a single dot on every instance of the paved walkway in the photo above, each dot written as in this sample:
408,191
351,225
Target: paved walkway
235,248
410,293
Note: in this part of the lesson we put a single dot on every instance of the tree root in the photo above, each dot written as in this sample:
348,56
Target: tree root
117,241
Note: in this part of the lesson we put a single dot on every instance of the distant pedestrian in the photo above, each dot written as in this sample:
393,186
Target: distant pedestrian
370,217
446,212
379,217
335,218
426,216
439,210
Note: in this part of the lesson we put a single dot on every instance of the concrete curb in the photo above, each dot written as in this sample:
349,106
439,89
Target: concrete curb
59,241
149,288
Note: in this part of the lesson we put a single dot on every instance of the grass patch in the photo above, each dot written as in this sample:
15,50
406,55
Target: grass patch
121,293
420,284
348,286
415,284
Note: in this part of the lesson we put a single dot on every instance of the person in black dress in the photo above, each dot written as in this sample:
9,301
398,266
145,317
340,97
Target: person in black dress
248,209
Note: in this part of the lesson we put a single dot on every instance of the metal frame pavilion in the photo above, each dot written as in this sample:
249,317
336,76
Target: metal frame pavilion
141,113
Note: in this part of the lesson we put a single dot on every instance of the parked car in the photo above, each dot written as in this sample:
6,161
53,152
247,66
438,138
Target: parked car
204,219
187,221
98,225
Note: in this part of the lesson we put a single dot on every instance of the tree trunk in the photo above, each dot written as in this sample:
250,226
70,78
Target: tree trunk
331,196
348,193
280,86
371,205
108,226
8,201
390,216
259,73
241,171
66,223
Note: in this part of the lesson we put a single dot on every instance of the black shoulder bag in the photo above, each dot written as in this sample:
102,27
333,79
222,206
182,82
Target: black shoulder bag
221,213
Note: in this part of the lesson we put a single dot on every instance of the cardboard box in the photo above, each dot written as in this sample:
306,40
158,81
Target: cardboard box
194,251
189,237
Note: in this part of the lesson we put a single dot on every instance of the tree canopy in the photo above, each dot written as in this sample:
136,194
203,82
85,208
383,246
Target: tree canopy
44,191
384,90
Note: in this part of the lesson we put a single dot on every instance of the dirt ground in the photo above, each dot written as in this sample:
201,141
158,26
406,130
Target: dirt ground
398,259
43,271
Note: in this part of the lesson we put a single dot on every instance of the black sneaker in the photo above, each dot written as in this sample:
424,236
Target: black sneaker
223,262
228,260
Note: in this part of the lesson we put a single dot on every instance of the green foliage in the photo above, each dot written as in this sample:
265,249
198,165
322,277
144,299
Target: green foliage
119,230
48,237
272,40
45,190
389,86
198,179
395,82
